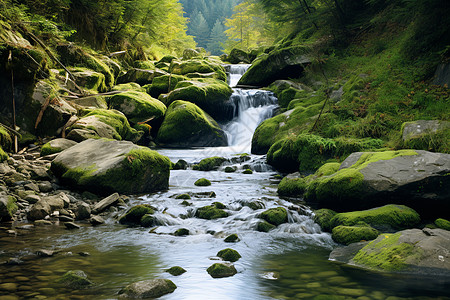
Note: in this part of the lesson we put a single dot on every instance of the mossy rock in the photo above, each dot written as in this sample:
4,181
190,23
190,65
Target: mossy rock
137,106
210,212
430,135
140,76
386,218
237,56
198,65
265,226
91,102
135,214
202,182
229,169
112,166
144,64
187,125
88,79
130,86
3,155
352,234
183,196
275,216
147,289
148,220
232,238
164,84
229,254
176,271
181,232
8,207
442,223
76,279
219,270
167,59
98,123
292,187
5,139
56,146
211,95
210,163
323,217
247,171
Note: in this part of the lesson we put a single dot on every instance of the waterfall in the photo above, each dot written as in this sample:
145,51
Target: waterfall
251,107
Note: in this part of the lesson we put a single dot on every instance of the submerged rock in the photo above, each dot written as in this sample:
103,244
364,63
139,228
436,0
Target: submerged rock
105,166
147,289
75,279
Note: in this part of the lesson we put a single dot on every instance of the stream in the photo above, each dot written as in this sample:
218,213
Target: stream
289,262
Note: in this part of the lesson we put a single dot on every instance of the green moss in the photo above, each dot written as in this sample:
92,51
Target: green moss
247,171
352,234
347,183
130,86
3,155
175,271
144,64
210,163
47,149
386,253
135,214
93,81
219,270
75,279
275,216
147,220
198,65
187,125
438,141
232,238
210,212
137,106
183,196
229,169
265,226
5,139
11,208
181,232
266,134
160,85
327,169
370,157
323,217
442,223
292,187
387,217
229,254
202,182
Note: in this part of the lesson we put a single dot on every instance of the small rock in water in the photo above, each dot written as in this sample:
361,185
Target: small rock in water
175,271
13,261
232,238
181,232
71,225
96,220
63,218
45,253
147,289
75,279
220,270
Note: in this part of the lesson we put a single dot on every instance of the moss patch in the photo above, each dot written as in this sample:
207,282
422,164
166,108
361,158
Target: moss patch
275,216
323,217
388,217
134,215
265,226
210,163
5,139
75,279
442,223
3,155
292,187
202,182
352,234
164,84
210,212
229,254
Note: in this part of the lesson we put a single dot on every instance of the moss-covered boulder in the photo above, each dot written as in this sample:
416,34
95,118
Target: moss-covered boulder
232,238
220,270
147,289
323,217
442,223
137,106
386,218
211,95
238,56
140,76
107,166
175,271
229,254
210,163
198,65
56,146
210,212
264,226
134,215
371,179
279,64
72,55
102,123
89,79
275,216
292,186
247,171
8,207
181,232
412,251
75,279
129,86
202,182
90,102
3,155
352,234
229,169
187,125
431,135
164,84
5,139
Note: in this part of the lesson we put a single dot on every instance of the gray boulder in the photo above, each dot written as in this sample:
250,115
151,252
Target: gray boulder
108,166
57,145
147,289
412,251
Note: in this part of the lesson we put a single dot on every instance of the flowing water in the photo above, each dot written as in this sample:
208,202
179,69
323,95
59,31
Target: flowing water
289,262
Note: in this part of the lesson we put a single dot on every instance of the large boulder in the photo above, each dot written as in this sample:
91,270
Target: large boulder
211,95
414,178
103,123
199,65
89,79
164,84
187,125
415,251
146,289
137,106
279,64
237,56
140,76
106,166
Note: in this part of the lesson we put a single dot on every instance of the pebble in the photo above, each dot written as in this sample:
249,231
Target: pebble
9,287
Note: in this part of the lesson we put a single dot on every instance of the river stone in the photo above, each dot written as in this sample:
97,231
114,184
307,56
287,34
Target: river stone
415,178
58,201
8,207
105,203
45,186
220,270
279,64
39,210
83,211
96,220
56,145
148,289
140,76
107,166
75,279
411,251
91,102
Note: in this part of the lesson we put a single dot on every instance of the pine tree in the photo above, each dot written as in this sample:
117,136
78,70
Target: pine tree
199,29
217,38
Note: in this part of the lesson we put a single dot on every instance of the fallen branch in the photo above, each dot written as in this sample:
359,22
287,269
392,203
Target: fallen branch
41,112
